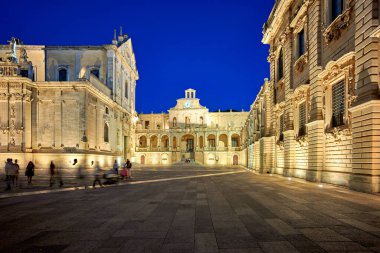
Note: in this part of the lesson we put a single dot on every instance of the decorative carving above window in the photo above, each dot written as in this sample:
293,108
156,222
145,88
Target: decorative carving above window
337,134
284,36
300,64
335,29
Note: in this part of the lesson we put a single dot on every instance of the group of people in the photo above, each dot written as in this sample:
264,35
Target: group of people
12,171
125,172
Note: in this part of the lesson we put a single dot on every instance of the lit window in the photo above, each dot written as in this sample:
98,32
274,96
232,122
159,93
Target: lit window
235,142
280,66
336,8
337,104
302,119
301,43
106,139
62,75
95,72
211,143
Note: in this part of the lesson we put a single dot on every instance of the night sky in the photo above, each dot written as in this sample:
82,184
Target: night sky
213,46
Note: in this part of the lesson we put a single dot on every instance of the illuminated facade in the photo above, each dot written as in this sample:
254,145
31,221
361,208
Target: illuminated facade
65,102
318,117
190,132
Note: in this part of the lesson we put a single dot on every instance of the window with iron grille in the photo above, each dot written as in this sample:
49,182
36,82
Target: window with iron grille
338,101
302,119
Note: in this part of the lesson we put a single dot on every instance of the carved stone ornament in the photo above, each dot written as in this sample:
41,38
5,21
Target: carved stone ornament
300,64
302,93
335,29
271,57
302,140
336,134
284,36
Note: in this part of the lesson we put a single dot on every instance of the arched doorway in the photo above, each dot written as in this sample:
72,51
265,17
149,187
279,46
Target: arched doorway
142,159
187,143
236,160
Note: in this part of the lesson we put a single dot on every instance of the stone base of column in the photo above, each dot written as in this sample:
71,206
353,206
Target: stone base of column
366,147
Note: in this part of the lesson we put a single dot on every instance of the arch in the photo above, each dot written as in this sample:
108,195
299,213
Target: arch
211,141
165,141
201,120
95,71
223,140
187,142
235,160
235,140
142,159
143,142
174,122
153,141
201,144
105,133
62,74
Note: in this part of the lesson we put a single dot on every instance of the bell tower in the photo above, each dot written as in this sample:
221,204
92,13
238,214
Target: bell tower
190,93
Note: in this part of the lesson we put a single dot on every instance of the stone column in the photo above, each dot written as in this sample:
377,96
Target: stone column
366,110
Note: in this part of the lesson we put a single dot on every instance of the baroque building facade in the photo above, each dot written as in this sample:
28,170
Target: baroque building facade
60,103
318,117
189,131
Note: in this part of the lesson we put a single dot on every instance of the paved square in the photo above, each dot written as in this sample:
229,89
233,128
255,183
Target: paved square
194,209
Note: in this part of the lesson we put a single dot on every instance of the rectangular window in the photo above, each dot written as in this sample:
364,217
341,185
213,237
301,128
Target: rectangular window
302,119
147,124
281,138
337,7
301,43
338,100
280,66
211,143
234,142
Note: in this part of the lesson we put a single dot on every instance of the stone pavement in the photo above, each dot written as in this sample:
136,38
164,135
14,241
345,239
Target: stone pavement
197,210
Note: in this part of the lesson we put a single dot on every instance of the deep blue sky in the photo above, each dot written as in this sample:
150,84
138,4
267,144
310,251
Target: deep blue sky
213,46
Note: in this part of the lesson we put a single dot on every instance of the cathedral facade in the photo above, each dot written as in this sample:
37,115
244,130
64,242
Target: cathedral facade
189,132
60,103
318,116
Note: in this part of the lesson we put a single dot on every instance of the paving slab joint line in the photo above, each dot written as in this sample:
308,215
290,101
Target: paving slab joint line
20,194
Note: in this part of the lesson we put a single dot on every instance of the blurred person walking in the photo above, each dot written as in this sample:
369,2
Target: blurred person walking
129,168
29,171
9,173
17,173
97,175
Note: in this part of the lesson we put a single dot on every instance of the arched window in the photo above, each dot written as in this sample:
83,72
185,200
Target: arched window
187,122
201,121
280,66
106,139
174,122
95,72
62,75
